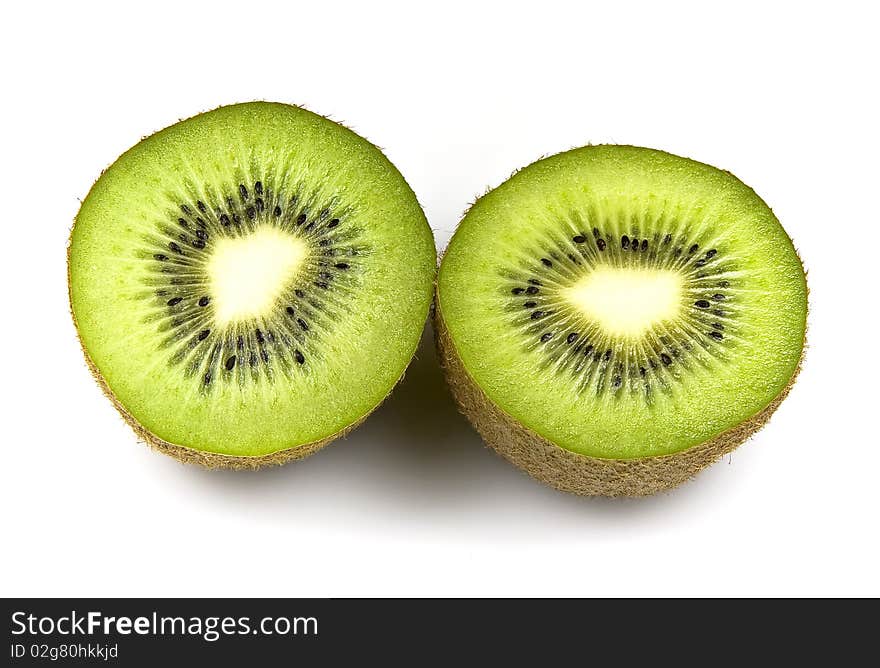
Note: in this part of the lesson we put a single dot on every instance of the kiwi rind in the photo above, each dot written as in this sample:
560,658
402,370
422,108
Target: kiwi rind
573,472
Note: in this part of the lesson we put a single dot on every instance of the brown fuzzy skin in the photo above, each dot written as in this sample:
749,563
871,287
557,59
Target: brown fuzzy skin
572,472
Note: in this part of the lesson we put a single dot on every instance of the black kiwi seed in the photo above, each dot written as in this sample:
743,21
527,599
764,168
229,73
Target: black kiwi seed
579,239
667,239
198,243
546,262
535,281
299,357
588,350
717,325
303,325
616,382
174,301
204,301
243,192
711,253
224,220
183,222
259,336
518,291
624,241
693,249
571,337
260,204
607,355
186,209
251,212
289,310
537,314
341,265
258,187
596,232
716,335
264,355
530,305
718,297
174,247
204,334
299,293
546,337
300,219
532,290
333,223
230,363
701,303
600,244
160,257
276,211
666,359
644,245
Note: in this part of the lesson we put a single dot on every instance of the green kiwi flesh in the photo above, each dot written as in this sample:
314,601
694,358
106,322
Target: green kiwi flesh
613,319
249,283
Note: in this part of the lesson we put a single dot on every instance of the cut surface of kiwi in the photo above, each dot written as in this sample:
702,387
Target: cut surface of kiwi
249,283
613,319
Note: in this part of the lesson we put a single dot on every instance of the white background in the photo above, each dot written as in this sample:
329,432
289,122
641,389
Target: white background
784,96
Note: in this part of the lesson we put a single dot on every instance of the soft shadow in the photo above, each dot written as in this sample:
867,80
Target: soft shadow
416,456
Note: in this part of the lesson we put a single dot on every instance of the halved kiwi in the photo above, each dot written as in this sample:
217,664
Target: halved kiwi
613,319
249,283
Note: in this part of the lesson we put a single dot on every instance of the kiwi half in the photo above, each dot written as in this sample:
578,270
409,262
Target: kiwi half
249,283
613,319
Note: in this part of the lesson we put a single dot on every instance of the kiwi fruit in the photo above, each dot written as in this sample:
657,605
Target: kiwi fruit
614,319
250,283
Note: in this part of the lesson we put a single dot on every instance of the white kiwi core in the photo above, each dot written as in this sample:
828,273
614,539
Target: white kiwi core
248,274
627,301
